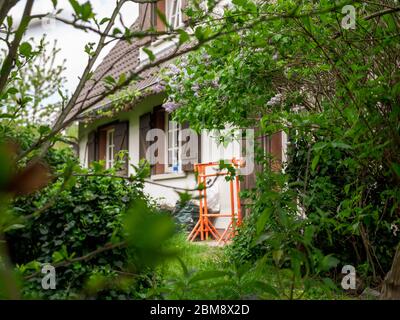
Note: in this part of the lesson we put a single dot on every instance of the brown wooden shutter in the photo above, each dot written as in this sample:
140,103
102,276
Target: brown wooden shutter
189,167
276,150
145,12
101,143
249,180
184,6
91,147
158,122
161,8
199,147
153,16
121,139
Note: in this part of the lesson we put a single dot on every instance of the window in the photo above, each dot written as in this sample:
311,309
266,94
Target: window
174,13
174,146
110,148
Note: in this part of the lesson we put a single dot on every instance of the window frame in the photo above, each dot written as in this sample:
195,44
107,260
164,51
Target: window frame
110,147
169,167
176,14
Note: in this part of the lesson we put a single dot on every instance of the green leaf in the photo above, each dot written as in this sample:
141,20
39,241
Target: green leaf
25,49
14,227
150,53
184,268
121,79
109,80
116,31
104,20
308,234
329,283
329,262
76,6
162,17
319,146
239,3
9,21
314,162
277,256
265,287
183,36
307,23
86,11
44,129
262,220
261,238
33,265
82,11
89,48
209,274
199,33
12,90
57,256
396,168
7,116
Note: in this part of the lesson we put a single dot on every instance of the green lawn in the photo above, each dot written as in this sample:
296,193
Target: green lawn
204,272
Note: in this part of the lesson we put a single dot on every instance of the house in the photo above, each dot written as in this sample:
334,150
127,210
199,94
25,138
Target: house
127,127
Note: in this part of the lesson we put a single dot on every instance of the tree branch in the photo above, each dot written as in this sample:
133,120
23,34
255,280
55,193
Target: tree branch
12,53
86,257
382,13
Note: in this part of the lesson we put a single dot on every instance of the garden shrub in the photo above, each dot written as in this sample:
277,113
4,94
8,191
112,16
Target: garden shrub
335,94
81,211
87,214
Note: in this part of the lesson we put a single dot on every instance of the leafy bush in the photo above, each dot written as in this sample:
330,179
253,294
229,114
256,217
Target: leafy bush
336,95
71,221
352,212
83,214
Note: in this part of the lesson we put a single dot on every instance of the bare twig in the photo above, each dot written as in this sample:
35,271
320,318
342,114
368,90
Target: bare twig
382,13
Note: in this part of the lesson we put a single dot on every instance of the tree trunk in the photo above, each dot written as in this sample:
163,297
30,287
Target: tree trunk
391,285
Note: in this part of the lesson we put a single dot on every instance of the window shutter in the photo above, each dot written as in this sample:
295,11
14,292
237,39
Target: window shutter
190,156
161,8
276,150
184,6
249,180
158,122
91,147
145,13
101,141
121,139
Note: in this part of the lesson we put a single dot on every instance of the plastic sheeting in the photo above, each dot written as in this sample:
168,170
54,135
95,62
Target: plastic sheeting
187,215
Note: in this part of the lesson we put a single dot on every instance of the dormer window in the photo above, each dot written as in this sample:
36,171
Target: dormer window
172,10
174,13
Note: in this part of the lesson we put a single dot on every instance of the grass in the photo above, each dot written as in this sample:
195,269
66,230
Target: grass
204,272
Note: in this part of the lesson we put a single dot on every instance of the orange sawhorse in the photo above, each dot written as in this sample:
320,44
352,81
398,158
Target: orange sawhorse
204,226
